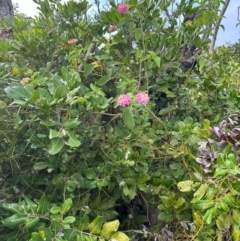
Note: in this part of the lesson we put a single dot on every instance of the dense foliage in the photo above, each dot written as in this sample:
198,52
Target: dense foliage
118,124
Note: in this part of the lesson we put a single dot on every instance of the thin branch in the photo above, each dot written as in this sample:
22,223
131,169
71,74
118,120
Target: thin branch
89,52
216,28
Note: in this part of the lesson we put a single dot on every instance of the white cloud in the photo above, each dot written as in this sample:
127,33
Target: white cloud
26,6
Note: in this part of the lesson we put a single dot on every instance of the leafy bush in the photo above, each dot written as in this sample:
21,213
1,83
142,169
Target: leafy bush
101,131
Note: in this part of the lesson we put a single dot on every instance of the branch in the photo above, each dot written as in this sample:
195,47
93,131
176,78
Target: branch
216,28
90,50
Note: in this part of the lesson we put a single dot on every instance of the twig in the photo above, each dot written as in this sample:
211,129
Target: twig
216,28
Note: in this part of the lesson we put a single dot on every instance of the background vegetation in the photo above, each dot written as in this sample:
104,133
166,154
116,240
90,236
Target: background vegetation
77,166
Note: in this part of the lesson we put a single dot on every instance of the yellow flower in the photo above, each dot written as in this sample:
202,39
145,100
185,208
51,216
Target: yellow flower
15,70
96,64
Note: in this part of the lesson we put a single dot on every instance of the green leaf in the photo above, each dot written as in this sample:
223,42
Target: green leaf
89,69
235,216
70,235
203,204
61,92
185,186
83,222
15,220
2,105
208,216
71,124
66,205
109,228
90,174
36,237
13,207
30,203
96,225
40,166
73,141
103,80
18,92
56,145
165,216
55,210
156,58
31,222
43,206
70,185
128,118
47,99
49,123
120,236
54,133
223,221
180,202
138,34
85,237
69,220
201,191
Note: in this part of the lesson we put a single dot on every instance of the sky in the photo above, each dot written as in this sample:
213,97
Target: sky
231,34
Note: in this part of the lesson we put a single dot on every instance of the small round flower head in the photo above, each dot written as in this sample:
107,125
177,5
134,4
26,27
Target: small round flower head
122,8
24,81
142,98
72,41
124,100
112,28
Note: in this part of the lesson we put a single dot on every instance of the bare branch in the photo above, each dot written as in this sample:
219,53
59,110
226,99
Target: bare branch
89,52
216,28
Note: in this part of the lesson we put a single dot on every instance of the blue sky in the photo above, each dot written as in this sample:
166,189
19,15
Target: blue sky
231,34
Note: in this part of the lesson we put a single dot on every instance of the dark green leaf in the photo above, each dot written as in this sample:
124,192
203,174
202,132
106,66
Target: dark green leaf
43,206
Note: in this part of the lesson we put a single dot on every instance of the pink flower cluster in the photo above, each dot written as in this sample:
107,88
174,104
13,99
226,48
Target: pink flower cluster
142,98
125,99
112,28
122,8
